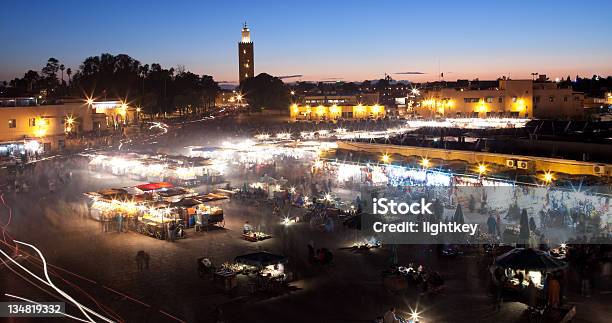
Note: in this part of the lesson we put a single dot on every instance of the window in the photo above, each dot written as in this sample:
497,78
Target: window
32,122
513,99
471,100
551,98
347,115
489,99
12,123
565,99
501,99
536,99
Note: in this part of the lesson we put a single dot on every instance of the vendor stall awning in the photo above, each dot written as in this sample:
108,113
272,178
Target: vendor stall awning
529,259
261,259
187,202
154,186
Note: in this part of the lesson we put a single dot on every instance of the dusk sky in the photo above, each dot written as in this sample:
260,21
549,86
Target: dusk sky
322,40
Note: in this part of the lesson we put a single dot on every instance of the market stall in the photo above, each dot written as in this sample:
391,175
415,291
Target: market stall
521,274
255,236
194,212
270,275
137,208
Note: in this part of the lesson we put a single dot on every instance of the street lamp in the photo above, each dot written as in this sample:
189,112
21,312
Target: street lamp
482,168
425,163
548,177
385,158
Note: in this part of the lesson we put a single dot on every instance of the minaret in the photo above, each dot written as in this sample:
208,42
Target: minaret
246,63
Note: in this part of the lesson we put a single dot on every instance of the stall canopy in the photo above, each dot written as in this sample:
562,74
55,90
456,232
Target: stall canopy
187,202
154,186
261,259
210,197
529,259
114,193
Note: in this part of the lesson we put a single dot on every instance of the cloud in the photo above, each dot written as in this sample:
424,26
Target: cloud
290,76
410,73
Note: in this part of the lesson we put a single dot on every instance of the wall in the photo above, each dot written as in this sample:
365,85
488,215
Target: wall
48,122
321,112
565,103
522,98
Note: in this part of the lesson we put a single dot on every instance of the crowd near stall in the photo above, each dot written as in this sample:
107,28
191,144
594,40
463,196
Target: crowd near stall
158,209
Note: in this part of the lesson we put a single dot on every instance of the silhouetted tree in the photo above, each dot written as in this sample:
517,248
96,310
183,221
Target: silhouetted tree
69,72
266,91
49,76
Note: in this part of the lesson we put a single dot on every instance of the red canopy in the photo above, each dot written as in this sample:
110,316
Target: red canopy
154,186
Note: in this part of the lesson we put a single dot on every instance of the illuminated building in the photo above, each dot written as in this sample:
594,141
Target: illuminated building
26,128
332,107
510,98
334,111
246,61
112,114
23,121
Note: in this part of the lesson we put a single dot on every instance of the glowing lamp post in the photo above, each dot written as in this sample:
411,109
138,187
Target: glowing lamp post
482,168
425,163
385,158
548,177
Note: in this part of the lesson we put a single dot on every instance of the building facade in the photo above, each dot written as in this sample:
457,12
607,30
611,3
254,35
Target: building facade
552,102
333,107
335,112
28,128
37,129
246,61
510,98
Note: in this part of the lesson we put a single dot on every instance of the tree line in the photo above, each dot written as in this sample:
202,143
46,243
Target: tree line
153,88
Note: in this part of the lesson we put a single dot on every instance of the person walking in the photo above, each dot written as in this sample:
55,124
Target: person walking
140,258
170,231
198,226
146,260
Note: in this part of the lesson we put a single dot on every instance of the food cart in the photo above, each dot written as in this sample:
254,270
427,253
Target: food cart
154,219
107,203
519,270
179,170
189,208
144,213
255,236
270,270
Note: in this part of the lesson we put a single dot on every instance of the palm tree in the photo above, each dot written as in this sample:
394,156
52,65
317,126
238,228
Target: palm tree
68,71
61,67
